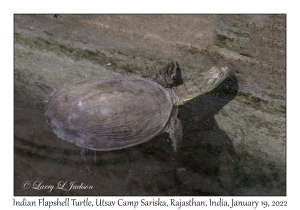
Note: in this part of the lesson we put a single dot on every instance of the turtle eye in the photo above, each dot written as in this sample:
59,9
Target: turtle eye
220,74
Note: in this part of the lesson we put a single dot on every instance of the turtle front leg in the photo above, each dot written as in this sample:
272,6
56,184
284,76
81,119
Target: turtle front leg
170,72
176,77
87,155
175,131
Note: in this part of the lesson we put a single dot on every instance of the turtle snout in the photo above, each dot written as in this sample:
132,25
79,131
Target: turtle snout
225,70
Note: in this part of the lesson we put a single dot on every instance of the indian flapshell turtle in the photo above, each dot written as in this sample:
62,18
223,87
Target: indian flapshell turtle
114,113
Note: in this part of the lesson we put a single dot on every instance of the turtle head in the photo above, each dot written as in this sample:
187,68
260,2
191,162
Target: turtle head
213,78
200,84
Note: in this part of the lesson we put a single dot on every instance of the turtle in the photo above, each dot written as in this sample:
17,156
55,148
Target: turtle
110,113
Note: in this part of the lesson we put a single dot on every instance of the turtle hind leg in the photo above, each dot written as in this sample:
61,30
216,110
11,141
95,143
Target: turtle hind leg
45,88
87,155
168,73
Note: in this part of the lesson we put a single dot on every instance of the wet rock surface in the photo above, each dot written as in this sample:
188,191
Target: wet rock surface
234,137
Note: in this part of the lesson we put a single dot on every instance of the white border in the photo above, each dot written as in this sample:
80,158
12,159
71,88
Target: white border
154,6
